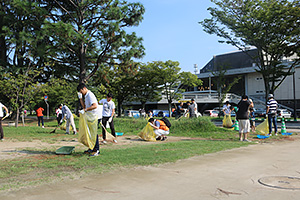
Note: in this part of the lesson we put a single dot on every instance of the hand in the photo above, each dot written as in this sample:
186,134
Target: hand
61,121
79,95
81,112
110,119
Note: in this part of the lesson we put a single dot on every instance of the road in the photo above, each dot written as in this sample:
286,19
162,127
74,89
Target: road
231,174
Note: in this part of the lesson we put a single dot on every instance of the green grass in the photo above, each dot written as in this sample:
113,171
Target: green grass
43,166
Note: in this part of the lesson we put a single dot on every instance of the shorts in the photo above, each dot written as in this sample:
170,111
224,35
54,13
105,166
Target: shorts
244,126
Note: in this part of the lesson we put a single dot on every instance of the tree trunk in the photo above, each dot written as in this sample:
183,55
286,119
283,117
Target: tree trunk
17,118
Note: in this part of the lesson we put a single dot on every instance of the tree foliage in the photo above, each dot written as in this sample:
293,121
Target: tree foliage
271,26
88,35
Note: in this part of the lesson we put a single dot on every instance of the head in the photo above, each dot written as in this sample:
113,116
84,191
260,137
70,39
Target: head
151,120
82,88
270,96
227,103
60,106
192,100
188,103
109,96
245,97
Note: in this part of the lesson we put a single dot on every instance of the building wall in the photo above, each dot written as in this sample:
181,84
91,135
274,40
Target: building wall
285,90
256,87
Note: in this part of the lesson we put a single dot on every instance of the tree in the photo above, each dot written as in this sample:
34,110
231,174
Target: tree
271,26
222,86
90,34
147,85
172,80
20,89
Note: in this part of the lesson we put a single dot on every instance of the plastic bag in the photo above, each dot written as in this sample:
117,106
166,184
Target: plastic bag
63,126
227,122
263,128
148,133
88,127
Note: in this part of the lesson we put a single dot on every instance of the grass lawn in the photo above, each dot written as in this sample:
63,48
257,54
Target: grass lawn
44,166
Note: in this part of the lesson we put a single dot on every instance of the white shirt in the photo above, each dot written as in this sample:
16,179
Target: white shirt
89,100
99,111
107,107
1,109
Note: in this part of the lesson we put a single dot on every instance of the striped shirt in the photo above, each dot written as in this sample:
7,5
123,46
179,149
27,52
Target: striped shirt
272,104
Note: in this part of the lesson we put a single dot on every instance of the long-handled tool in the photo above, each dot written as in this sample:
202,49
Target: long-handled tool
56,127
7,115
107,133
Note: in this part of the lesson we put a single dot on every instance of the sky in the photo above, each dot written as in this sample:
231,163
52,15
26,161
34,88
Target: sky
170,31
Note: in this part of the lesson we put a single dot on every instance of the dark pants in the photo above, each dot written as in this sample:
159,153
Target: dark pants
274,120
59,118
99,120
1,129
41,119
111,125
96,148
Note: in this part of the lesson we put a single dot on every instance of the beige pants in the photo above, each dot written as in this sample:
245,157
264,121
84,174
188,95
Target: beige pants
70,120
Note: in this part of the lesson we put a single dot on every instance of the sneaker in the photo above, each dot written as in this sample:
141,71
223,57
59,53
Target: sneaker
95,153
115,141
246,140
164,138
269,134
74,133
276,134
67,133
88,151
158,138
104,142
43,127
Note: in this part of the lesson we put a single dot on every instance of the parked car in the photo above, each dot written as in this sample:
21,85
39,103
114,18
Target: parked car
161,113
211,113
260,112
283,113
132,113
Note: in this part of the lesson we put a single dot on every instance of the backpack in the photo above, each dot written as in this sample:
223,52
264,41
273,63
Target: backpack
166,121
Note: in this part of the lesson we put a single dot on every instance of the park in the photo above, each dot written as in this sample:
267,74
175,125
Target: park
71,56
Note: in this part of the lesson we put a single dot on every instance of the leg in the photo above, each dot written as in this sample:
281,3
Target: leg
39,121
112,128
42,118
240,130
68,126
104,121
96,148
270,123
1,129
73,124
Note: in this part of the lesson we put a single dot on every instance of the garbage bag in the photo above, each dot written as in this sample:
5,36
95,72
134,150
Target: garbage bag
63,126
227,122
263,128
88,127
148,133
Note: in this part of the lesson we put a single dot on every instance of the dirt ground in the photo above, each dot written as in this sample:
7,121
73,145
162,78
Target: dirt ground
231,174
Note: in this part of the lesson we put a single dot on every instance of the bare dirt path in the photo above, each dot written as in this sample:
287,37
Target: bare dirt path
231,174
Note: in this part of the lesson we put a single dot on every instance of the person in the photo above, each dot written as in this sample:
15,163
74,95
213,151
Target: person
58,115
142,112
107,116
252,120
90,108
66,113
226,108
1,117
243,117
160,129
150,113
179,110
272,106
197,114
40,116
192,109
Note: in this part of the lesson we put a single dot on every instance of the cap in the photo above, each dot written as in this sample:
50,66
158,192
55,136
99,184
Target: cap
192,99
270,96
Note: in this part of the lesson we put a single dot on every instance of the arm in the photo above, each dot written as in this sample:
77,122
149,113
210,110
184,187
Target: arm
92,107
6,110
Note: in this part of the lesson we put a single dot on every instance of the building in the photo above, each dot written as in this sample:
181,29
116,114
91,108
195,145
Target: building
251,83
